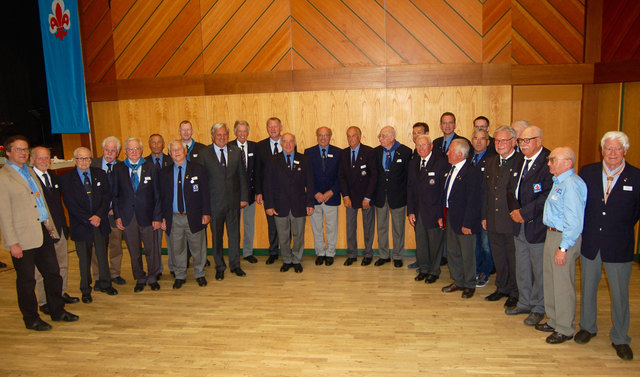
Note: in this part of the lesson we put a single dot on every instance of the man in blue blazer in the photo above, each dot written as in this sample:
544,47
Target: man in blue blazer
527,192
186,211
613,209
325,160
136,207
87,194
288,197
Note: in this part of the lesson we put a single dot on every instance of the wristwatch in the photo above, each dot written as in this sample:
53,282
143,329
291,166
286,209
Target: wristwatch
563,249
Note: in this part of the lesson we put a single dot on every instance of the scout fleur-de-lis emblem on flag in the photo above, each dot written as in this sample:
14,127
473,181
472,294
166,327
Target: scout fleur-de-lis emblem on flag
59,21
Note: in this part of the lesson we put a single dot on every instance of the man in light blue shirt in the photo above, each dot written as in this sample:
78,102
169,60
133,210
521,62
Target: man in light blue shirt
564,217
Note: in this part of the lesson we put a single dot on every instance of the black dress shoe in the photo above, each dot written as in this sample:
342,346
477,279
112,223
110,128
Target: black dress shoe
219,275
87,299
516,310
96,287
251,259
178,283
544,327
39,325
623,351
3,265
45,309
238,271
583,336
557,338
468,292
397,263
533,318
202,281
350,261
328,261
110,291
495,296
366,261
119,280
285,267
69,299
138,288
297,267
173,274
443,261
155,286
271,259
382,261
421,276
511,302
207,263
431,279
66,317
451,288
319,260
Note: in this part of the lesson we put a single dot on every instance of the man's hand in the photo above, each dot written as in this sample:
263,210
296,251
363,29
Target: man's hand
366,203
309,211
484,224
16,251
95,221
259,199
119,224
347,202
412,219
466,230
560,258
206,219
516,217
328,195
440,223
164,225
243,204
271,212
156,225
319,197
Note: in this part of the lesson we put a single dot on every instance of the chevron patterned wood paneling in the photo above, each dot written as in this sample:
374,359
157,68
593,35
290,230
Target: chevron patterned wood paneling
620,30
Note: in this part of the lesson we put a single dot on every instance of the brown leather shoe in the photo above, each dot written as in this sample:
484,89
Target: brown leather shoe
623,351
468,292
557,338
451,288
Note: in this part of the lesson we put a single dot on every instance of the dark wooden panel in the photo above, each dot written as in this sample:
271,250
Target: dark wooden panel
101,65
187,60
250,82
135,18
618,31
496,43
341,78
593,32
177,86
106,91
552,74
628,70
434,75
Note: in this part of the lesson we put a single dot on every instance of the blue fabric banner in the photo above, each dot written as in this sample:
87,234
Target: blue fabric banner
60,31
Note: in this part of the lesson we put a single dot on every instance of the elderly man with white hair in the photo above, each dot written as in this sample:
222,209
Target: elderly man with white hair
613,209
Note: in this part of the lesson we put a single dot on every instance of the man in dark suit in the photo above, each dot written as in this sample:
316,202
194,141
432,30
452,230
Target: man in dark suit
613,209
186,211
288,196
248,154
86,193
527,192
110,152
358,177
424,208
228,194
265,149
448,127
495,215
392,162
462,195
484,262
325,160
41,160
136,207
29,233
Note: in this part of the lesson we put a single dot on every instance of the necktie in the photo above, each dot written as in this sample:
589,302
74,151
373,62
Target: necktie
87,185
275,147
446,186
610,178
444,147
289,162
423,164
353,158
387,162
158,162
180,194
475,160
524,172
109,167
223,161
47,182
134,176
324,159
244,158
502,161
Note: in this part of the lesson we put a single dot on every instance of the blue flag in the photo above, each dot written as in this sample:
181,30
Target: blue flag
60,31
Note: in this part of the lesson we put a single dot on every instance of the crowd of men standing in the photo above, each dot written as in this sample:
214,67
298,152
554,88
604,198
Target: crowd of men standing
503,202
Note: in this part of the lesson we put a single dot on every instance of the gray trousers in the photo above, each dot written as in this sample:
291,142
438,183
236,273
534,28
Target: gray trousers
230,217
368,228
559,287
529,273
63,262
428,248
398,218
331,220
84,251
158,233
115,254
248,225
180,237
618,275
288,227
461,251
503,250
134,236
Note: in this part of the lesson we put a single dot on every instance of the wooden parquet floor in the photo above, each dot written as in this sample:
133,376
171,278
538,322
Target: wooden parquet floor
327,321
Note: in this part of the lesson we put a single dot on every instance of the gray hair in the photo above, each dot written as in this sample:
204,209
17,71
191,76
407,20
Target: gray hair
461,146
423,136
173,142
126,142
33,151
217,126
478,131
241,122
75,151
616,135
110,139
508,129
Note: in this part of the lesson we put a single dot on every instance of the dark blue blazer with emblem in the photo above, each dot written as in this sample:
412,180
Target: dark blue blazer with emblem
144,203
80,209
464,199
534,189
392,186
359,180
424,190
289,190
195,188
609,228
53,196
326,180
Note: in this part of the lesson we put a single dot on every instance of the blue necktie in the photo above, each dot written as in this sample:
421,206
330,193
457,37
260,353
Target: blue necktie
134,176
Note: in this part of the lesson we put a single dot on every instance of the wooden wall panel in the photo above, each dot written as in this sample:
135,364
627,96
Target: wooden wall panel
631,120
496,31
620,30
608,112
106,122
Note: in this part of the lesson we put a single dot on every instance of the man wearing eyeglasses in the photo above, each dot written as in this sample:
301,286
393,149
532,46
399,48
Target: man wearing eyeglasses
527,191
87,194
448,127
613,209
563,216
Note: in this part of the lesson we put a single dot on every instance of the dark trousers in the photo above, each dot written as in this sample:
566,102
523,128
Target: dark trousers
134,236
368,227
273,235
84,250
232,218
503,250
428,248
461,249
44,258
